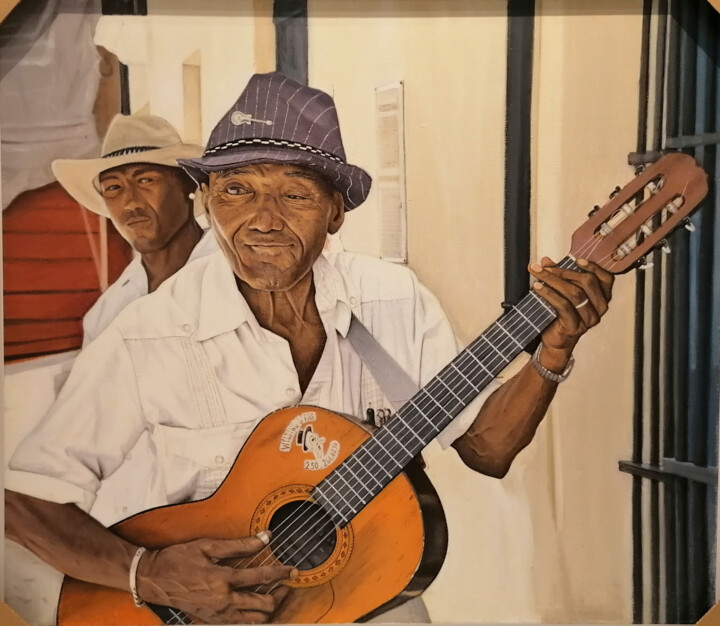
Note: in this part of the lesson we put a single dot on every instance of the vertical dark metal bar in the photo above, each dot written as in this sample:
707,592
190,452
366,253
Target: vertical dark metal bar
672,609
124,7
124,89
679,263
661,49
712,166
639,345
291,39
658,530
697,25
521,27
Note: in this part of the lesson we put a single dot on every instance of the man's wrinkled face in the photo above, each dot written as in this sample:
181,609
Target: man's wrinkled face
271,221
148,203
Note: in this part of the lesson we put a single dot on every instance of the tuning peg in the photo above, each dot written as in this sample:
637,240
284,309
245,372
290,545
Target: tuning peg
688,225
644,264
663,245
615,191
594,210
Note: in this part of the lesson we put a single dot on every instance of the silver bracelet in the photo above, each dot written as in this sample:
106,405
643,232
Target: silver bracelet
546,373
133,575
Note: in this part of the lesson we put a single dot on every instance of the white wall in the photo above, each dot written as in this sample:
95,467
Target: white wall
220,35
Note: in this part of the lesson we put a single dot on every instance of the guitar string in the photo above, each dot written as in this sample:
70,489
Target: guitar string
485,336
290,520
321,514
355,494
503,357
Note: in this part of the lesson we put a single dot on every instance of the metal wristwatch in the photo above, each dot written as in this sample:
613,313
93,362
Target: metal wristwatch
546,373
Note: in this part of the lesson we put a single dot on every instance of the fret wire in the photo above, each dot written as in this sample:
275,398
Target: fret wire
389,431
452,363
501,327
377,462
472,354
490,343
425,417
360,483
369,473
527,319
442,408
410,430
383,450
330,502
377,437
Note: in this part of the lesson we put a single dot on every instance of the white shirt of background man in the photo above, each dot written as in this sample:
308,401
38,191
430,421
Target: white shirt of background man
131,285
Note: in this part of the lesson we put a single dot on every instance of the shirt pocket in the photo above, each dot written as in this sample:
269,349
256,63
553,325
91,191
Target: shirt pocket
196,460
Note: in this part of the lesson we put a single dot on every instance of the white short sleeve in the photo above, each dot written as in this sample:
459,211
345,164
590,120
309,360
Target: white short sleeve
85,436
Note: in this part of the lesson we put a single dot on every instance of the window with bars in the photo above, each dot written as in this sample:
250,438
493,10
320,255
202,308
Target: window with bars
677,350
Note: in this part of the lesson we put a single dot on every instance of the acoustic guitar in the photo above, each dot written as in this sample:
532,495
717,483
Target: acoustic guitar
350,509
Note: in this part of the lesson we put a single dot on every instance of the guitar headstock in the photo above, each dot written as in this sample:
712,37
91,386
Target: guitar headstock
642,214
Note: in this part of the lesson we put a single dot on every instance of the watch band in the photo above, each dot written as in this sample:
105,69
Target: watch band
546,373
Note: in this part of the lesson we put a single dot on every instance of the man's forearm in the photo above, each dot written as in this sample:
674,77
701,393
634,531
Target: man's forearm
68,539
509,418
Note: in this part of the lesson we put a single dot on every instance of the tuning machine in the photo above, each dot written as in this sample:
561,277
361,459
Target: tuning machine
594,210
643,264
688,225
663,245
615,191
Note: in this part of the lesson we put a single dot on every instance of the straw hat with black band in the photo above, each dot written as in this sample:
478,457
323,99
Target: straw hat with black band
129,139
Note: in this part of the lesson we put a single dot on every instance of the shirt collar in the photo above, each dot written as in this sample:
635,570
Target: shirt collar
223,309
134,274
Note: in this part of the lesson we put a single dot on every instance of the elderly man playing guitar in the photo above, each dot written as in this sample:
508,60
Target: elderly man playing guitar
235,336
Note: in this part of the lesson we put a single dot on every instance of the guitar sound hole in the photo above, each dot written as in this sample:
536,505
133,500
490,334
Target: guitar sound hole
303,535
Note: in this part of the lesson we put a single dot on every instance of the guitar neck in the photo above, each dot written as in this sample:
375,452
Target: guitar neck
373,465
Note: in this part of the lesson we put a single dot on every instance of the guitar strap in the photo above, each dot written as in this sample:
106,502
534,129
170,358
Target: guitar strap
398,388
394,382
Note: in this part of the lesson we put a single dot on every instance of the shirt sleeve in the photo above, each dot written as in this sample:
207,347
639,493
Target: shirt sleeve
95,421
438,346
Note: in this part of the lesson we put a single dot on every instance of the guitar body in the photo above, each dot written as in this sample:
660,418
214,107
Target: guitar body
388,553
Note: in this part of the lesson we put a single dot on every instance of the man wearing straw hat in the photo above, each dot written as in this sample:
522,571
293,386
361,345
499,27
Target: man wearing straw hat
139,185
260,325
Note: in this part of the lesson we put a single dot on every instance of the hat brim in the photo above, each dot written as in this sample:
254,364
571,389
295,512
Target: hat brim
351,181
77,176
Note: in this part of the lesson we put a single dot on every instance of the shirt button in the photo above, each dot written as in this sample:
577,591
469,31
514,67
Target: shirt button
353,300
219,459
187,328
290,392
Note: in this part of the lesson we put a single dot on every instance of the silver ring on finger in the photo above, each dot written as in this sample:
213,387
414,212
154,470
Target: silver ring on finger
582,304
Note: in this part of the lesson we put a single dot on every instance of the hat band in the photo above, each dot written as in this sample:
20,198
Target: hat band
273,142
130,150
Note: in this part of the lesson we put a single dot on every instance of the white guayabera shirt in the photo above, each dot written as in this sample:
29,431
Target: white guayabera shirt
131,285
156,408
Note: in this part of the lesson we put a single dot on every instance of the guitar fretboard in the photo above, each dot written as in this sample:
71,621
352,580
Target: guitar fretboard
381,458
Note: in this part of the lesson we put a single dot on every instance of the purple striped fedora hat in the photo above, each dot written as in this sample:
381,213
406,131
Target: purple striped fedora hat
278,120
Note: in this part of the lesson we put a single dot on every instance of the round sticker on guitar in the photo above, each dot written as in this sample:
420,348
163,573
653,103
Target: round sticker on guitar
300,432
